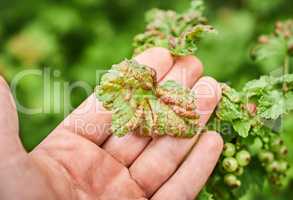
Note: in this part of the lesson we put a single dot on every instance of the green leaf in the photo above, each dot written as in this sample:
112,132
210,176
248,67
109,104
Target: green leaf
272,54
242,127
256,87
272,105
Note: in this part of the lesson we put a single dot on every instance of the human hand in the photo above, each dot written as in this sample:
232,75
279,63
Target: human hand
81,160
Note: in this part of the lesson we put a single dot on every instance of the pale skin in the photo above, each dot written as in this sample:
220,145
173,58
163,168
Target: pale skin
81,160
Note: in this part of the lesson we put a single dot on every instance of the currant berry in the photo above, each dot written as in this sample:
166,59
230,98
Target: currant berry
232,181
229,150
276,143
282,151
272,167
239,171
283,166
266,156
243,158
230,164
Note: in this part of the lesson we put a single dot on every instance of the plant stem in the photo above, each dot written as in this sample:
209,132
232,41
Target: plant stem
285,71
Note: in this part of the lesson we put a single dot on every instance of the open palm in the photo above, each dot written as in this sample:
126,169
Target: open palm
81,160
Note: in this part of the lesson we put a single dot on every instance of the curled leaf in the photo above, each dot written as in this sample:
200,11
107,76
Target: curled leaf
180,33
131,92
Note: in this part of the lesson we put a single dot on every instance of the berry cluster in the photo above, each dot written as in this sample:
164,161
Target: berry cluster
273,158
233,164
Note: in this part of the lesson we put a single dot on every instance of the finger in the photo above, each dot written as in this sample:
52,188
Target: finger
209,93
159,59
185,71
189,179
91,120
9,139
169,152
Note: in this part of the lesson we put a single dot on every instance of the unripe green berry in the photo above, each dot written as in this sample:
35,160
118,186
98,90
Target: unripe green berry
229,150
283,166
272,167
276,143
239,171
275,179
279,166
243,158
282,151
232,181
230,164
266,156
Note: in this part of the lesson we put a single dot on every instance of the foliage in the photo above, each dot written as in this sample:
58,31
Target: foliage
274,50
248,113
177,32
131,91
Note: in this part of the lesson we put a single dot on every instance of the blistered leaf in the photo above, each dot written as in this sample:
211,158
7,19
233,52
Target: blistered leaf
228,111
272,105
180,33
267,98
131,92
256,87
230,93
229,107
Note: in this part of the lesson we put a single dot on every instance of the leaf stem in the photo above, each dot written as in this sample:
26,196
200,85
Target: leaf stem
285,71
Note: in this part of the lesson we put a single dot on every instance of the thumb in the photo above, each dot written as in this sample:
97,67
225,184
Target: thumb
9,140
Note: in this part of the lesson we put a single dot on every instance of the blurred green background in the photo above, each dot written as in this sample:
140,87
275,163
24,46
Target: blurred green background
72,39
